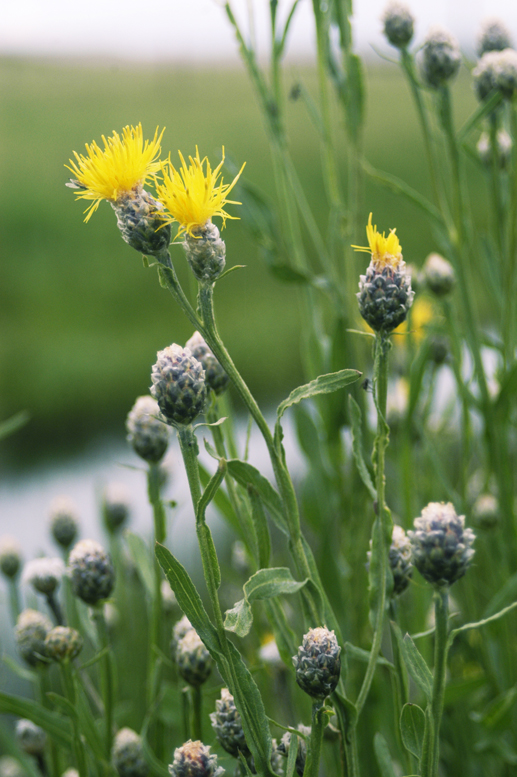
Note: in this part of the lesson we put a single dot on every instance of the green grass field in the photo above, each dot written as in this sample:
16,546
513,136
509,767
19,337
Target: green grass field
81,319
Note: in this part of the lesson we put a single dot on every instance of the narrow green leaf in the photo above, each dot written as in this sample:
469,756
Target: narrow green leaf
324,384
19,670
221,500
505,595
483,109
291,756
56,726
261,527
141,557
274,581
211,490
417,666
244,766
13,423
246,475
357,447
383,756
412,726
208,552
479,624
188,598
62,703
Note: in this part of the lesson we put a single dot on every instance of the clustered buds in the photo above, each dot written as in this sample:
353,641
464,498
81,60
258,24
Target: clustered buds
64,524
147,434
10,556
441,545
63,644
44,574
193,759
301,755
494,37
398,24
205,252
115,506
496,70
91,571
193,659
227,725
30,633
317,663
140,222
438,275
30,737
215,377
178,385
127,754
440,58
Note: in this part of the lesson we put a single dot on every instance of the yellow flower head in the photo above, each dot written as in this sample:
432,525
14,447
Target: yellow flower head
385,251
193,195
122,165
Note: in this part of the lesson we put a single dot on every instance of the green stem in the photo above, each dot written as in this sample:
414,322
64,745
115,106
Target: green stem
55,607
97,612
70,691
383,523
432,749
14,599
314,751
197,712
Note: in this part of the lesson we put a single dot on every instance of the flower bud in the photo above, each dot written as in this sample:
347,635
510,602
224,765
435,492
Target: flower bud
178,385
503,149
30,737
10,767
193,659
147,434
205,252
440,58
30,633
179,630
115,506
127,754
70,773
438,349
215,377
385,296
63,644
10,556
140,222
64,524
44,574
438,275
227,724
494,36
496,70
485,512
398,24
400,560
193,759
441,545
91,571
317,663
301,755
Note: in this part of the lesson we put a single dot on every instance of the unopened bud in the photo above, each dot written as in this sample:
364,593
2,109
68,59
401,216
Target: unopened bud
193,759
64,523
30,737
10,556
301,754
91,571
494,36
440,58
148,435
44,574
30,633
317,663
206,252
63,644
439,275
139,221
227,724
193,659
178,385
127,754
398,24
215,377
115,506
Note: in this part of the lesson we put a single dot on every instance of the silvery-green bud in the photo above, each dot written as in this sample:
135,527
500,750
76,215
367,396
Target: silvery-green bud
127,754
494,36
485,512
115,506
147,434
440,58
63,644
227,724
496,70
317,663
140,223
206,252
178,385
193,659
504,149
215,377
439,275
91,571
301,755
10,556
30,633
179,630
400,560
193,759
10,767
30,737
441,545
398,24
44,574
64,523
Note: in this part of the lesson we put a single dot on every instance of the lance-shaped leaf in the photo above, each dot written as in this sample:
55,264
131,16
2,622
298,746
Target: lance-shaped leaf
357,447
247,475
412,728
264,584
57,726
324,384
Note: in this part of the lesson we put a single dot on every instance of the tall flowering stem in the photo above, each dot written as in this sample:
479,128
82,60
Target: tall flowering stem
431,745
97,612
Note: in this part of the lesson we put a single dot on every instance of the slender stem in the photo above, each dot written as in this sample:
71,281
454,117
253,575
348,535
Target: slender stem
197,712
186,714
55,607
14,599
43,688
70,691
383,524
314,751
97,612
432,748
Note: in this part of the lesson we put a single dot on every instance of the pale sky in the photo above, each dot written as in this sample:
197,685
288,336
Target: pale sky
198,30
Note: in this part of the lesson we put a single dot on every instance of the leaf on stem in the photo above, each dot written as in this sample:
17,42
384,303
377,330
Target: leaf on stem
246,475
383,756
412,726
56,726
415,663
324,384
357,447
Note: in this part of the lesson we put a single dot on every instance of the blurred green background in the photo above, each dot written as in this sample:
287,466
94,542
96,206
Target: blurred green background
81,318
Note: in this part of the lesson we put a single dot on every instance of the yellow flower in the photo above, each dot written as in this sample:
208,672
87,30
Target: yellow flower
193,195
124,164
385,251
